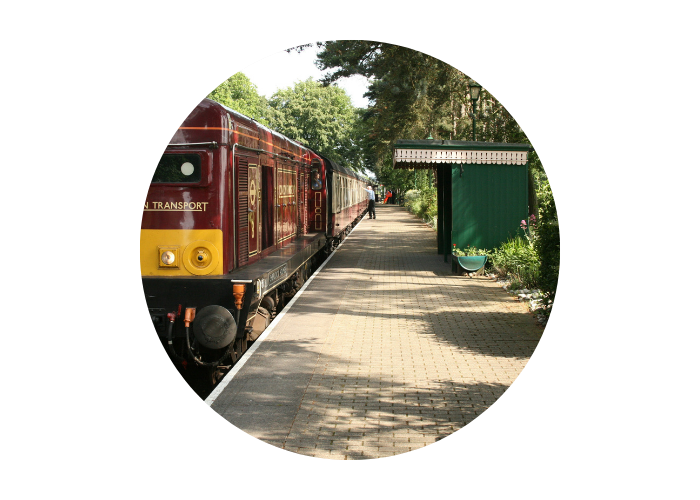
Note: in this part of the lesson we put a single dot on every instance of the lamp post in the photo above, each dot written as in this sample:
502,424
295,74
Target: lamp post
474,91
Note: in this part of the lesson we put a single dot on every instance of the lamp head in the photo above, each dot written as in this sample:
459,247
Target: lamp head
474,90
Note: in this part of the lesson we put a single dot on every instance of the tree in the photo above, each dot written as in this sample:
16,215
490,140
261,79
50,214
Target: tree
240,94
410,94
319,116
413,96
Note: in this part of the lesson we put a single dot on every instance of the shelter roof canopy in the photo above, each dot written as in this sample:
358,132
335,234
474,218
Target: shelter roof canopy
428,153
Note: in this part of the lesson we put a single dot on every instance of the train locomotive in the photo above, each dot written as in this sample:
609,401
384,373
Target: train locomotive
236,219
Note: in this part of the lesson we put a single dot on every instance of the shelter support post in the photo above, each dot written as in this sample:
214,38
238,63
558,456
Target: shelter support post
444,206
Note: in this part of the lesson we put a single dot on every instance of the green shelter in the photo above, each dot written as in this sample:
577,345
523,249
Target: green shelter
482,188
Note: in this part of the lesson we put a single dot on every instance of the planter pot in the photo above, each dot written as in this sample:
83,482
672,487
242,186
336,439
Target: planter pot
468,264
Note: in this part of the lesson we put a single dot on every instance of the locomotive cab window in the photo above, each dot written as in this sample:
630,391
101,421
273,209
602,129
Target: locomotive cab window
178,168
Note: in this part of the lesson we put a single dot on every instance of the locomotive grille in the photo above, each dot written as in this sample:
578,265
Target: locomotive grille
242,212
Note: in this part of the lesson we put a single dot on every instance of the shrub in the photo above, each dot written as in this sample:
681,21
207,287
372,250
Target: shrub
517,260
547,242
422,203
412,200
411,197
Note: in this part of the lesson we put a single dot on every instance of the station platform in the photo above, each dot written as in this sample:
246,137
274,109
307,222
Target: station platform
384,352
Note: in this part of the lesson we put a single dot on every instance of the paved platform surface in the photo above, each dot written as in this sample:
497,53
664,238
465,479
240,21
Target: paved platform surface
386,351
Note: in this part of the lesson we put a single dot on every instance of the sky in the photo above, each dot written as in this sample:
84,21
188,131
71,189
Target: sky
280,70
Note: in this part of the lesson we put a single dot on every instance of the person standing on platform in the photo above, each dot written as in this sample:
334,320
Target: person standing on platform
370,197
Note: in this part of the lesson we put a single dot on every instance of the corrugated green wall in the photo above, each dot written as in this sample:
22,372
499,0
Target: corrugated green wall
488,203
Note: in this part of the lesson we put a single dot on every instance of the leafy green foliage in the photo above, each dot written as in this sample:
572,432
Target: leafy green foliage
412,96
547,241
422,203
322,117
517,259
240,94
470,251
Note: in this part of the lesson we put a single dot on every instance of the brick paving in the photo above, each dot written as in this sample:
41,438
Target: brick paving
385,352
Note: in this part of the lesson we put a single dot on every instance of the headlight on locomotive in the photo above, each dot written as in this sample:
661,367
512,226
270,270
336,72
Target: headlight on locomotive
168,257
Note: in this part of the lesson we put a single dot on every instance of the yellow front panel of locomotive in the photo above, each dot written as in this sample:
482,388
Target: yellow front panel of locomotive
181,252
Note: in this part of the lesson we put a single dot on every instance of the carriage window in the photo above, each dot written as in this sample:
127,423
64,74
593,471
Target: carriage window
177,168
316,182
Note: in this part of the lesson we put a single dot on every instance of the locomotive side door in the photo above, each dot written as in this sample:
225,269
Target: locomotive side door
315,197
268,201
293,205
286,202
254,217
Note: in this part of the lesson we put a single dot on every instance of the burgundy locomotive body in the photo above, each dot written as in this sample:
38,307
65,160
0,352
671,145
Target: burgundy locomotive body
234,221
